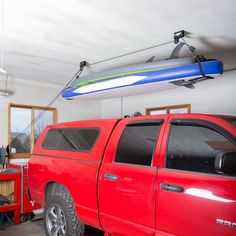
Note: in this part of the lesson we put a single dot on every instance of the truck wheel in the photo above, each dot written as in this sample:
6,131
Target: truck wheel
60,218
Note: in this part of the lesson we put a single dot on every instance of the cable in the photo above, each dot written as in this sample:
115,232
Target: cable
191,48
130,53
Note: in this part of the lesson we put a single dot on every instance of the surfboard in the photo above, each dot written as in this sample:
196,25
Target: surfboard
143,78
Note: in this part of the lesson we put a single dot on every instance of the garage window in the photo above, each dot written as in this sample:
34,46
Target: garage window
174,109
26,123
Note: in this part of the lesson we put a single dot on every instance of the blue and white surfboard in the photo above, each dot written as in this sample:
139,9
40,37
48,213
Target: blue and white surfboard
142,78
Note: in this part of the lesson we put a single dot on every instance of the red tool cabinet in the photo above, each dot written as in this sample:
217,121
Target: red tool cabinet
10,181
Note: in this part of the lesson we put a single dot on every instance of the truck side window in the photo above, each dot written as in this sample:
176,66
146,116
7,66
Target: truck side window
77,139
194,148
137,144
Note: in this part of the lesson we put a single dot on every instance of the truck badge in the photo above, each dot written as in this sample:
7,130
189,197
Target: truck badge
226,223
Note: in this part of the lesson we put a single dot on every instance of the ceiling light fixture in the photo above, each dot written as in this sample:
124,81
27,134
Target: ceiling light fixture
3,94
2,71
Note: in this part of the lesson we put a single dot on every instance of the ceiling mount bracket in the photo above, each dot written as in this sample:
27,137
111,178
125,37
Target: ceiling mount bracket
82,64
178,35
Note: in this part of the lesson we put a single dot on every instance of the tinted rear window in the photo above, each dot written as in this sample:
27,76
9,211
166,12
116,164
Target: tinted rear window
75,139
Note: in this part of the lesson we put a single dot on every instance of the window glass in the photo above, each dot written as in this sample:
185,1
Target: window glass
83,139
26,125
52,138
194,148
136,145
174,109
66,143
42,118
20,130
71,139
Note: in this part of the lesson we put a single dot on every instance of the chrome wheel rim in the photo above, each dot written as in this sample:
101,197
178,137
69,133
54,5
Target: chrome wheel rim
56,221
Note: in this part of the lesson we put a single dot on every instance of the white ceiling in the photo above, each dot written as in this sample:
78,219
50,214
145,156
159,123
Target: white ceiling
45,40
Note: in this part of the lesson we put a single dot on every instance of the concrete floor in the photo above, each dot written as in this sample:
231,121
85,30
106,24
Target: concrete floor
35,228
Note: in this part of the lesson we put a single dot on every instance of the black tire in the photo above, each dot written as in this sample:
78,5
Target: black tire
60,217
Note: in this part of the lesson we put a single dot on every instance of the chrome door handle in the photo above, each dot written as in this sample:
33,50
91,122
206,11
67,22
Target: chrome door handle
111,177
172,188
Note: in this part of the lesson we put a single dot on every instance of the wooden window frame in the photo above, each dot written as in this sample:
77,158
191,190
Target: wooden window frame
168,108
33,108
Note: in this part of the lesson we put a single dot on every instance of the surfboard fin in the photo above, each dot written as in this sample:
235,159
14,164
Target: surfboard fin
185,83
150,59
190,83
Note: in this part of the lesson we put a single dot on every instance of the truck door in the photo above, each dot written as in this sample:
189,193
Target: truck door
193,198
128,178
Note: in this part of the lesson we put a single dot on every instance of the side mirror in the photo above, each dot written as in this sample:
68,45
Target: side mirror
225,162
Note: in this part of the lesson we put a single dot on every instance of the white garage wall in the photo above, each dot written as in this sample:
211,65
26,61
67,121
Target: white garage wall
39,94
216,96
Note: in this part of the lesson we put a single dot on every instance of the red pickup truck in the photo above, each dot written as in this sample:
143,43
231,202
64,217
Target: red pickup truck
150,175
